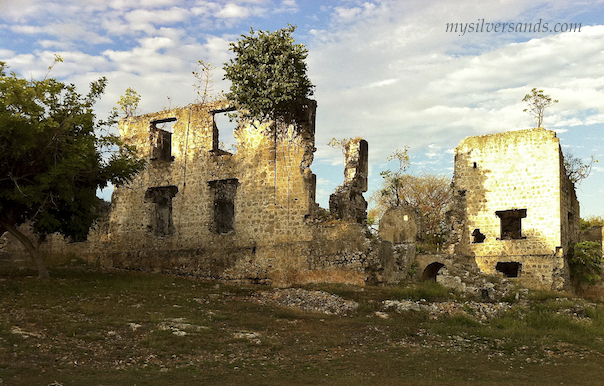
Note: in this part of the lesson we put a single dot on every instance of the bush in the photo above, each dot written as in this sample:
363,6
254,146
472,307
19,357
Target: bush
586,262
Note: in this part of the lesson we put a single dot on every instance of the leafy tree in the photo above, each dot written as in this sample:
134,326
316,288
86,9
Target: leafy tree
537,103
576,169
53,158
129,102
268,76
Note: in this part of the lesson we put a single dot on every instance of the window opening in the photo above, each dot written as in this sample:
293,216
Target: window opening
511,223
223,136
478,237
160,139
509,268
475,165
224,192
161,221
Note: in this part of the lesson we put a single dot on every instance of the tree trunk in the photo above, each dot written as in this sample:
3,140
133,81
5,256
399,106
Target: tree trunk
33,251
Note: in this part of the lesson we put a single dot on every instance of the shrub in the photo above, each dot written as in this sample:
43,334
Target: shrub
586,262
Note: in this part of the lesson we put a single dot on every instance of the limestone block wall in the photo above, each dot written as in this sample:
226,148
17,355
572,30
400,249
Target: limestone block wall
269,183
520,211
347,202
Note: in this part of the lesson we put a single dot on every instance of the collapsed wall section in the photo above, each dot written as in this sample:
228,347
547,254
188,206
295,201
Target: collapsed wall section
347,202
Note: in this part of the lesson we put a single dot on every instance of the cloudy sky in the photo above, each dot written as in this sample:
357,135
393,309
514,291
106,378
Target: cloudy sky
385,70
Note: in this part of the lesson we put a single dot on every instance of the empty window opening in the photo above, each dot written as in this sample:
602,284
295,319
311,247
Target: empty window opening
160,139
475,165
511,223
223,136
161,220
224,192
509,268
478,237
431,271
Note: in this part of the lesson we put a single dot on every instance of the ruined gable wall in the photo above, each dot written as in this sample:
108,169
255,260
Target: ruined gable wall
513,170
264,213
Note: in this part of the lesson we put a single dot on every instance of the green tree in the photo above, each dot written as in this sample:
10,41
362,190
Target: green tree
268,76
537,103
53,158
129,102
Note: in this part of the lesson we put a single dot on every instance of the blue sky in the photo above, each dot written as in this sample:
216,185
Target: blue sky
387,71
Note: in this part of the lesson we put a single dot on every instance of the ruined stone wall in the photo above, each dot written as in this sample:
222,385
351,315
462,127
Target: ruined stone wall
347,202
249,215
520,210
200,198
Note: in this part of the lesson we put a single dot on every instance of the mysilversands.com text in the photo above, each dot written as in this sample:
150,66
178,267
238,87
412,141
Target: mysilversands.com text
482,26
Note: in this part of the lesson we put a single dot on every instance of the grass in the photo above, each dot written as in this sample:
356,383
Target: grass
92,327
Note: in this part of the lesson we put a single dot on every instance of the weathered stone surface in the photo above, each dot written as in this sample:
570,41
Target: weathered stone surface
400,225
515,204
347,202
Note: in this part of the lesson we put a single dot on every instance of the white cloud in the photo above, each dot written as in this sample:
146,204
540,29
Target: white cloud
233,11
395,77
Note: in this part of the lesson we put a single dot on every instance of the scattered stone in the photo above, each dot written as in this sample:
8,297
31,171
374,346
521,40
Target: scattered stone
26,334
476,310
313,301
382,315
253,337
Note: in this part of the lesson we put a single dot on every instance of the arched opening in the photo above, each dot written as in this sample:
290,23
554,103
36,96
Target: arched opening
431,271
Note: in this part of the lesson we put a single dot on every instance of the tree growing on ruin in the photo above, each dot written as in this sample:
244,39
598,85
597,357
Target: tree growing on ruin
268,76
537,103
53,158
576,169
204,82
269,82
128,103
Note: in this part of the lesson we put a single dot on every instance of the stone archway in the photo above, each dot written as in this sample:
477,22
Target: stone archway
431,271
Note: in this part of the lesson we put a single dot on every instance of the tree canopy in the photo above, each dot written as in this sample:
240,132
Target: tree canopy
54,155
268,75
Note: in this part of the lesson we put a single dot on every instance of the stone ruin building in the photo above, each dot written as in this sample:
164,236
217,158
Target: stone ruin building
250,215
516,211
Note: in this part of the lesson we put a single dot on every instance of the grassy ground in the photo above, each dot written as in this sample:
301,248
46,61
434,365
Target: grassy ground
88,327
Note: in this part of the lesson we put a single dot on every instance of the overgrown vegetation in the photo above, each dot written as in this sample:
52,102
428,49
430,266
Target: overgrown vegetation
585,263
268,76
591,221
88,327
54,155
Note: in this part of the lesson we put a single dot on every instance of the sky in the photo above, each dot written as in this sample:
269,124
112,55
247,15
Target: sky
387,71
